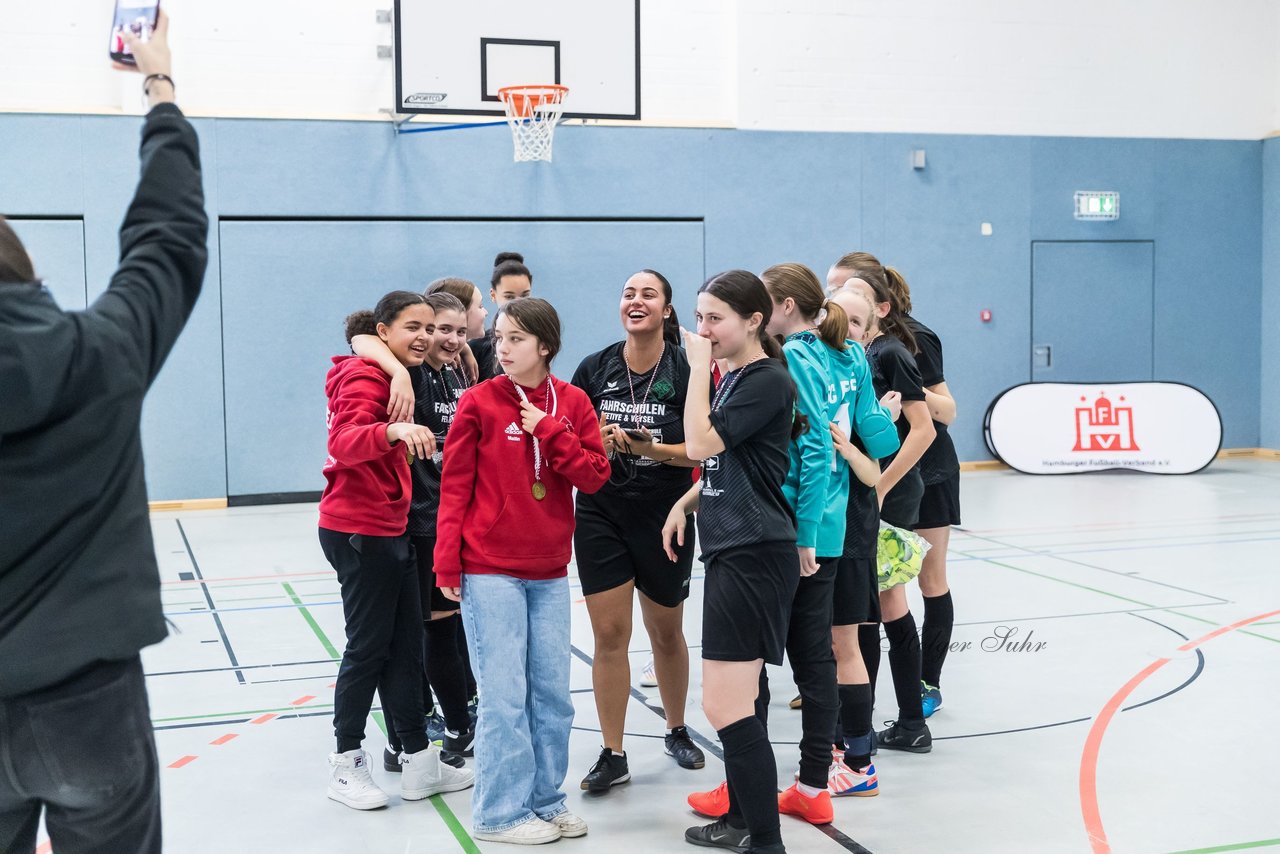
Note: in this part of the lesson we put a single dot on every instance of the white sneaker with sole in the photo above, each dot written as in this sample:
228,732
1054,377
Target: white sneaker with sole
571,827
649,676
351,784
535,831
423,774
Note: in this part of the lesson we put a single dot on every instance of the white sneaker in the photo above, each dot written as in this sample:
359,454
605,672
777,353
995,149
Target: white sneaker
535,831
422,775
649,676
570,825
352,784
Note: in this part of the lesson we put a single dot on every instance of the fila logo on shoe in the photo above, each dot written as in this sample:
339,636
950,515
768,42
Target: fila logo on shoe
359,763
514,433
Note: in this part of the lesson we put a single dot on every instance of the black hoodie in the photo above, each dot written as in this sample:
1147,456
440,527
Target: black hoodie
78,577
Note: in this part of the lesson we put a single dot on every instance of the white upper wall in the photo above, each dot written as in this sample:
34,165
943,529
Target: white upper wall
1162,68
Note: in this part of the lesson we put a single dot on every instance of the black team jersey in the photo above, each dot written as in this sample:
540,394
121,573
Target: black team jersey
893,368
653,400
939,461
741,501
436,396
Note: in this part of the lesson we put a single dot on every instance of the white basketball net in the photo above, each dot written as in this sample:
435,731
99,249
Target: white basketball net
532,114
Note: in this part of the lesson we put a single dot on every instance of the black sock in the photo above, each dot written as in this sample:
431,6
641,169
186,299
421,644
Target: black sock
935,636
734,815
444,670
904,663
750,764
855,724
466,659
869,647
762,698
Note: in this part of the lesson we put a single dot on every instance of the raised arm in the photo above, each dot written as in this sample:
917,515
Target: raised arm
163,250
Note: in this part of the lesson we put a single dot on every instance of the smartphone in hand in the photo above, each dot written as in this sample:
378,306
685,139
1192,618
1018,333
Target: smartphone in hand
137,16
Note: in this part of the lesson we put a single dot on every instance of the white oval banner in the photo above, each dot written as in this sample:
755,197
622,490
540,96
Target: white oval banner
1065,428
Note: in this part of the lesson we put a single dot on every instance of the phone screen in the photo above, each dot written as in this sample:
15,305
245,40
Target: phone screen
138,16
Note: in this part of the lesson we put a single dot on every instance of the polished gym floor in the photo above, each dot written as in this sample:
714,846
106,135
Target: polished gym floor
1111,682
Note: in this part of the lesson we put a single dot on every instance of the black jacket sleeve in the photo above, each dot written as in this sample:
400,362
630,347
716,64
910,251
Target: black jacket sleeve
163,251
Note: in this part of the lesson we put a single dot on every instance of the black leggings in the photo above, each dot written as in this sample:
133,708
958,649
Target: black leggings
379,582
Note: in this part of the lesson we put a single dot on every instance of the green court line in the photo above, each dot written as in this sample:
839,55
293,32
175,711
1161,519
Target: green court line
1215,622
451,821
245,712
1240,846
311,621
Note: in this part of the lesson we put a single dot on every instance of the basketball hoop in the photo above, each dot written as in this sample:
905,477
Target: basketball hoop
532,114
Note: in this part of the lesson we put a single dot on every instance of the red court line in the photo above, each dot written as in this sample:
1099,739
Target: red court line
224,739
186,760
303,700
1089,759
44,847
262,719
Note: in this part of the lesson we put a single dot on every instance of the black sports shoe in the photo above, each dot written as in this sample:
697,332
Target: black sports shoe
391,760
680,746
608,771
898,737
458,746
720,834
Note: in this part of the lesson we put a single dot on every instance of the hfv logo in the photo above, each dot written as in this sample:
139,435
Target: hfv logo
1103,427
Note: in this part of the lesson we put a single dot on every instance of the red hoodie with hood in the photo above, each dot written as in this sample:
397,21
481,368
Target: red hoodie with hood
489,521
367,481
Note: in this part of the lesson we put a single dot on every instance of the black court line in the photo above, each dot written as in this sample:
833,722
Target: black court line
237,667
1194,676
208,597
830,832
1032,552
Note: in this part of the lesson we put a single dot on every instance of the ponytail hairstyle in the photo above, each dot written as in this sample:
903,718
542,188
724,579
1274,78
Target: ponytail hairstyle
509,264
801,284
385,312
743,292
865,267
15,263
859,261
671,325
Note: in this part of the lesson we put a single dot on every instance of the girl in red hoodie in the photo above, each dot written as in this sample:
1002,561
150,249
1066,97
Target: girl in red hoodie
519,445
363,515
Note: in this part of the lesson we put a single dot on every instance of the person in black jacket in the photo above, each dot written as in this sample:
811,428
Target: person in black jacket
79,584
511,279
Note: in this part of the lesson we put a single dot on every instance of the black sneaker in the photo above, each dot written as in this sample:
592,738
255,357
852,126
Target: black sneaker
680,746
898,737
391,760
462,744
720,834
435,727
608,771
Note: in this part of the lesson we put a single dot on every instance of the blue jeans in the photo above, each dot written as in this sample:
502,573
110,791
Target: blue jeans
518,634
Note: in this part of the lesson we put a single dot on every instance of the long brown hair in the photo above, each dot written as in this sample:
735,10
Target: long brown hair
464,289
865,267
801,284
743,292
15,263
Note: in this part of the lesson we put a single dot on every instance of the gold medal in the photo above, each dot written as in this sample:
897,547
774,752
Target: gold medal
539,491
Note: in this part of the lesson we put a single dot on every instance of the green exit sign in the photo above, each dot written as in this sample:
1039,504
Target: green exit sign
1097,204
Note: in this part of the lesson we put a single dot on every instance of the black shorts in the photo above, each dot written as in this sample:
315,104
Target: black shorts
617,541
857,594
902,504
424,550
940,506
746,602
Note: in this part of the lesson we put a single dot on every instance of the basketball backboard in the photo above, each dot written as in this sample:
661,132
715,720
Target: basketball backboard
452,58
